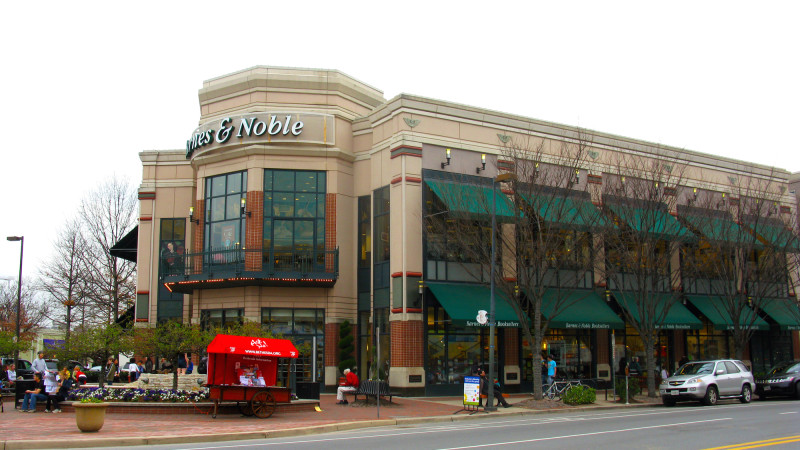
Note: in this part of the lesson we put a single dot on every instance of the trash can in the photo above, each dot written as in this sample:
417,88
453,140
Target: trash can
21,387
308,390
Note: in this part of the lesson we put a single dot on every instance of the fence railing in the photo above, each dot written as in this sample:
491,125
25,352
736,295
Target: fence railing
297,262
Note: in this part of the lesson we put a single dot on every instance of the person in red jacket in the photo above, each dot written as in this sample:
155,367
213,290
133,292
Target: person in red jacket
350,384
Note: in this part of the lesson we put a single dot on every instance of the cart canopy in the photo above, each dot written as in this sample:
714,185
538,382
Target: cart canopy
243,345
229,356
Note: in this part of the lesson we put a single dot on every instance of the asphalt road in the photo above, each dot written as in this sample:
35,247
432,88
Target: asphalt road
729,425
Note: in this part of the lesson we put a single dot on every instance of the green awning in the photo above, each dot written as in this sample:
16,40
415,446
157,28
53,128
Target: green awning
785,312
717,229
714,310
776,235
656,222
570,212
471,199
677,318
463,301
586,310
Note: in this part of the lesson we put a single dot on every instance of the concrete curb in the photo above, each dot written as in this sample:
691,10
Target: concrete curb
303,431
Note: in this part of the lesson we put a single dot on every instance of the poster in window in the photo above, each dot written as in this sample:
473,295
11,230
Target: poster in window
228,232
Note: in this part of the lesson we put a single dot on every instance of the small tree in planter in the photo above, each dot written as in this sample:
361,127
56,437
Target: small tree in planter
98,343
346,348
171,339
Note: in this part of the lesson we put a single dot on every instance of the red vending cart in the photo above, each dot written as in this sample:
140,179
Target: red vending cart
244,370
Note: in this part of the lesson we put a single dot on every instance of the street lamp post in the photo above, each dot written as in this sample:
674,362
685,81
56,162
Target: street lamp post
21,240
492,320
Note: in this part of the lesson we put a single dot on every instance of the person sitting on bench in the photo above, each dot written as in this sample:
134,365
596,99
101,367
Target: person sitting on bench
498,394
350,384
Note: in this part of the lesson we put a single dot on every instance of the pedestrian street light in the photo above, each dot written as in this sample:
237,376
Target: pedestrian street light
21,240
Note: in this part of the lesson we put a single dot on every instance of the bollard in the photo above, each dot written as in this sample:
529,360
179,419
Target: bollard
627,391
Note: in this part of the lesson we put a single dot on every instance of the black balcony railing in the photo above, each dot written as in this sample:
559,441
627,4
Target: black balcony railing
229,267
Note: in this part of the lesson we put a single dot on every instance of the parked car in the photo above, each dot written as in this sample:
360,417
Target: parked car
708,381
782,379
24,371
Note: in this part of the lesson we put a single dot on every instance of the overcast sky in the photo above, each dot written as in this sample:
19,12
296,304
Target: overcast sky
87,86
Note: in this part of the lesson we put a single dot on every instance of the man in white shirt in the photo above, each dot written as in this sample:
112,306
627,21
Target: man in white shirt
39,366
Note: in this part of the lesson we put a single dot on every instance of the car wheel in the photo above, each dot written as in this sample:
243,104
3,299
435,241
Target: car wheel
711,396
747,394
668,402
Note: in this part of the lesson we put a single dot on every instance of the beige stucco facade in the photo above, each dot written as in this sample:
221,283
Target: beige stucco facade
362,142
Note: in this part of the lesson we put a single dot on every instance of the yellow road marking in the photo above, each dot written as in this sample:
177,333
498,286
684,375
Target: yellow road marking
764,443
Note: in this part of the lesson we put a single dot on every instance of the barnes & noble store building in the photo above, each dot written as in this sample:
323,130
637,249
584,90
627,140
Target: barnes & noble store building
298,202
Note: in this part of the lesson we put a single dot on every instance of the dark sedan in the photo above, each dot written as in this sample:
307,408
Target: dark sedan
24,371
783,379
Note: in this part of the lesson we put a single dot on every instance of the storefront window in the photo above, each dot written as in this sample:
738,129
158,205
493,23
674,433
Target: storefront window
172,247
220,318
294,218
301,326
453,351
224,225
708,343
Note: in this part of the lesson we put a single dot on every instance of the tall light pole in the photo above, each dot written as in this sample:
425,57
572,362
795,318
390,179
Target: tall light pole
492,320
21,240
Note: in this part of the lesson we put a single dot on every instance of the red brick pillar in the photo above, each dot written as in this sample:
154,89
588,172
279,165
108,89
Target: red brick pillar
197,235
407,362
331,354
511,368
254,231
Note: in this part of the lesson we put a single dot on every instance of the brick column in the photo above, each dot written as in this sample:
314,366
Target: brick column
407,363
511,369
331,354
254,231
197,234
330,229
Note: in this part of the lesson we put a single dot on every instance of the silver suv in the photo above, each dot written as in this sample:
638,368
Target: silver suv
708,381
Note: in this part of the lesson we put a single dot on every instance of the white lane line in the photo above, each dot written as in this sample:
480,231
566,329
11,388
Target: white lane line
493,444
790,412
471,425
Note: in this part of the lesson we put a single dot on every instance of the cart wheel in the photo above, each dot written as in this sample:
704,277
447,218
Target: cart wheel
263,404
245,409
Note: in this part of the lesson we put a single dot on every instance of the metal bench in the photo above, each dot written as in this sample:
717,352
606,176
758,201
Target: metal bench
370,388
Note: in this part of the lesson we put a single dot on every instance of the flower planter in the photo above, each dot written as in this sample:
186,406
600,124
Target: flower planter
90,416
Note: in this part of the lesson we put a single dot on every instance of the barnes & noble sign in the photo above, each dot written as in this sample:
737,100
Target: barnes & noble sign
261,128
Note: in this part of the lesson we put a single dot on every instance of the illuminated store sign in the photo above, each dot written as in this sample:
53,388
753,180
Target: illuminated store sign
262,128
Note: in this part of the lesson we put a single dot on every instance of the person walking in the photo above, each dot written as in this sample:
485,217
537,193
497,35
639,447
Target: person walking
111,371
182,364
351,384
148,365
551,369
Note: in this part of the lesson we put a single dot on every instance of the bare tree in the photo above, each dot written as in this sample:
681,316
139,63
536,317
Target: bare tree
32,316
544,243
108,213
65,277
641,253
746,254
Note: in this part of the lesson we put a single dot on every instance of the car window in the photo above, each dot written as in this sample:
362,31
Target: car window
790,367
731,367
742,366
51,365
696,369
721,367
24,364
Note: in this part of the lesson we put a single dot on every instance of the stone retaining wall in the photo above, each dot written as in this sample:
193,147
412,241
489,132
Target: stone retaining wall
192,382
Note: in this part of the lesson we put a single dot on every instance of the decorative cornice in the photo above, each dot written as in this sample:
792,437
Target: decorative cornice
406,150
